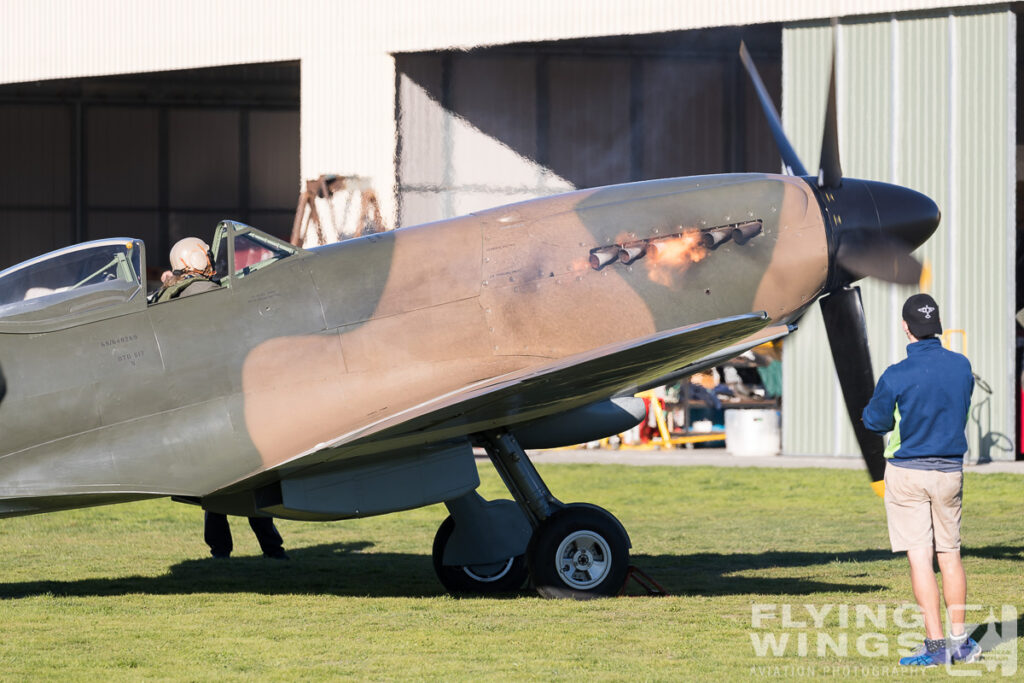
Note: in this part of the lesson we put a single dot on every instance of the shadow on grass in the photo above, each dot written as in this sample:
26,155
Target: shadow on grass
712,573
333,569
992,635
344,569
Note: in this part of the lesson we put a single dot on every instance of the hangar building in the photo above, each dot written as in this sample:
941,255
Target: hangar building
156,119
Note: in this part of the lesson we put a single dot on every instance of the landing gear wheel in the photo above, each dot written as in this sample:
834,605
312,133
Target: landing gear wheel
579,552
499,577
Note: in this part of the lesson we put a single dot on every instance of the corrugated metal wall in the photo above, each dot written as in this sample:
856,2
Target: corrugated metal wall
925,100
494,126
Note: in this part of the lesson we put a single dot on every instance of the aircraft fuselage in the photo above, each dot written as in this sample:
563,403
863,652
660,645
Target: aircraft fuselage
186,397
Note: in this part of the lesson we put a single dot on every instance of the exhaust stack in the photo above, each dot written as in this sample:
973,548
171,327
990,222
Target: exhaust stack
711,239
631,252
602,256
744,232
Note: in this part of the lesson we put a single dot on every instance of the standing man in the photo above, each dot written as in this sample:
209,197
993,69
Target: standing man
924,400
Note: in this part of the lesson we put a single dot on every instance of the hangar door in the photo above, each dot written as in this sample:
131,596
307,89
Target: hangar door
156,156
497,125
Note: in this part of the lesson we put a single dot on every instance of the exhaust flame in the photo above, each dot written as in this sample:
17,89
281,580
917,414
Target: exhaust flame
666,257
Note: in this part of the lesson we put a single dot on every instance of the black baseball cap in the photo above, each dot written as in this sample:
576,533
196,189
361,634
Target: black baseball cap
921,314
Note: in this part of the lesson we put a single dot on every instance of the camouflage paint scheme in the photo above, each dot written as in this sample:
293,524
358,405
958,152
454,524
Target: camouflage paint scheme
346,380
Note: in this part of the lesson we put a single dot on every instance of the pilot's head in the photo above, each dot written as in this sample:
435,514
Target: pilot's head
191,256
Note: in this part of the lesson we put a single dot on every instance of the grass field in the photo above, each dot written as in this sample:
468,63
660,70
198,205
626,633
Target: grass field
128,592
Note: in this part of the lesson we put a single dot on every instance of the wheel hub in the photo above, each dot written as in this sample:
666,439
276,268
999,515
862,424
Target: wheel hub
583,559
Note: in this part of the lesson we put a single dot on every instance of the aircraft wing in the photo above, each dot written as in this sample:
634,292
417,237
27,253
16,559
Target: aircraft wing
767,334
519,397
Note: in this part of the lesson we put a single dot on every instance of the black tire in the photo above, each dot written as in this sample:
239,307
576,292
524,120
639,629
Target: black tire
579,552
502,577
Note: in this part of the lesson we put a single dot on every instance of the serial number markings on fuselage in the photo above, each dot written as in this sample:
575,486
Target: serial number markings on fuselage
119,340
131,357
124,357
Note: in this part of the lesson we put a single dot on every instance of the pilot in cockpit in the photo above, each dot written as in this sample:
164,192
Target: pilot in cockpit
191,270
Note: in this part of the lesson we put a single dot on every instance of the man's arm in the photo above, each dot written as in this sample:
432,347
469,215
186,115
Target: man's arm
880,413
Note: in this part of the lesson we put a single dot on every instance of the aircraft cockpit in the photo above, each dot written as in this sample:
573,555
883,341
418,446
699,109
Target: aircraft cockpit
106,277
73,280
240,250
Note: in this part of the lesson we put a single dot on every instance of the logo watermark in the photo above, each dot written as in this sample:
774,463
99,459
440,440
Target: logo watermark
805,671
838,631
997,636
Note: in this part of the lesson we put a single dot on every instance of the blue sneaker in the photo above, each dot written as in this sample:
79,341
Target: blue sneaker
967,652
922,657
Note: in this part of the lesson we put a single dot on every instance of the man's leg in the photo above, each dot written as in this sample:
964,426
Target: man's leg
270,540
926,590
962,647
908,511
947,494
217,534
954,589
946,518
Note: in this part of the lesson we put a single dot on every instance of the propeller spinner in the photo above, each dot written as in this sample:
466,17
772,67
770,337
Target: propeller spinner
872,229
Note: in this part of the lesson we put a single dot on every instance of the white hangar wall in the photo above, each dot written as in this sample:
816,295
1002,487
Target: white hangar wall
925,100
345,49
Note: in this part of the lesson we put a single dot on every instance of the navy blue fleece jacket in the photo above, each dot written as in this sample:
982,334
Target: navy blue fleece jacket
924,400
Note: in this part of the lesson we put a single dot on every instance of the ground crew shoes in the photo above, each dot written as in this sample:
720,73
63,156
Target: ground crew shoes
931,653
964,650
936,652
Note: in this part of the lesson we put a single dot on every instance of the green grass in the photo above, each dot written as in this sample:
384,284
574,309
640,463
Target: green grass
127,592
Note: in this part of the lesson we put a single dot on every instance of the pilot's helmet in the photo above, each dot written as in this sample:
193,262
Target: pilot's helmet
190,255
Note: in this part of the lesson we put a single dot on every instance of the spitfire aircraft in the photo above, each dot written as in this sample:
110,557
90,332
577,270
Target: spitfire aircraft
356,378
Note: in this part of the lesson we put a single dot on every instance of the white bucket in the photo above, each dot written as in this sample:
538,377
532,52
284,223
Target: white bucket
752,431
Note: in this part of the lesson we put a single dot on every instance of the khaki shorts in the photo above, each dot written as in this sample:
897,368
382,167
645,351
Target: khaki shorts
923,508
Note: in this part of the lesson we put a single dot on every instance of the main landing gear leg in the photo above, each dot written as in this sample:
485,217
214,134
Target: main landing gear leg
578,550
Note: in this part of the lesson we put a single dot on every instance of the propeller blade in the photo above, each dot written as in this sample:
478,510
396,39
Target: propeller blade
879,256
843,313
830,173
789,157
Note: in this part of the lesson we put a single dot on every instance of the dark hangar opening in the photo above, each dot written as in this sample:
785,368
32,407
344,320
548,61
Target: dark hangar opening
592,112
158,156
